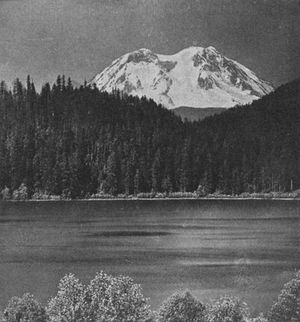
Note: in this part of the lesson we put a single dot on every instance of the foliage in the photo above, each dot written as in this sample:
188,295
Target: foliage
25,309
106,298
260,318
117,299
287,307
67,304
109,298
228,309
146,195
202,191
71,142
2,319
39,195
5,194
182,195
21,193
181,307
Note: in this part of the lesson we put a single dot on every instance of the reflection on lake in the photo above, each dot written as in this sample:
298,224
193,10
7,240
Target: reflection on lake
247,248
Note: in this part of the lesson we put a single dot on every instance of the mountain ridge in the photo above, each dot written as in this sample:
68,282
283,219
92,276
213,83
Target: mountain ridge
195,76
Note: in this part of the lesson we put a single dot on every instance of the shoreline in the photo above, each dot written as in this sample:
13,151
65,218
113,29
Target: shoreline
157,199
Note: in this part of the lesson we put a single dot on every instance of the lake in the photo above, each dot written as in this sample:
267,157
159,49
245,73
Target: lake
248,248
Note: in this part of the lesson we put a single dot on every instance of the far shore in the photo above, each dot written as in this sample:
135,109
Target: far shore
236,198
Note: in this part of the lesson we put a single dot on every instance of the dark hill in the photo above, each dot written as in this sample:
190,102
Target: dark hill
255,147
78,141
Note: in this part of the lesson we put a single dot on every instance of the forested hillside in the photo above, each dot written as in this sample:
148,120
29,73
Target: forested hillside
75,142
253,148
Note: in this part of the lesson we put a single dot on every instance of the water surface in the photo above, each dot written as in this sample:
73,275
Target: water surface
247,248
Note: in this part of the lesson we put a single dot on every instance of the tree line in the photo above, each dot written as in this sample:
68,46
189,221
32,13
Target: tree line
108,298
76,142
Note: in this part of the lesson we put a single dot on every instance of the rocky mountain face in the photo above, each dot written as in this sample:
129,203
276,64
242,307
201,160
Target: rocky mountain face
194,77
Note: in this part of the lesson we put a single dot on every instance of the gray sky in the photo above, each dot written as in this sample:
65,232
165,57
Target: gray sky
79,38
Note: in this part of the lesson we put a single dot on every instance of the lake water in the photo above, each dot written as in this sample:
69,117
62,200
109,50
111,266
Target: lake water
248,248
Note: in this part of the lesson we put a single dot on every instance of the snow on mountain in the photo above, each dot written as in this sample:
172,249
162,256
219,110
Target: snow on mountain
195,77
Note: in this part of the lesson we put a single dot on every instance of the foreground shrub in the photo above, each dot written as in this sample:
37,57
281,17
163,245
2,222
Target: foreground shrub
2,319
109,298
287,307
181,307
119,299
67,304
105,299
260,318
228,309
25,309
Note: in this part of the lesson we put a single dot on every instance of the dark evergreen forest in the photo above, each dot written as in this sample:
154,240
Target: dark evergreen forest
75,142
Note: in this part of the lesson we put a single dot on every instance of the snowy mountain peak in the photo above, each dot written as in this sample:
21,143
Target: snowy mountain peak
195,77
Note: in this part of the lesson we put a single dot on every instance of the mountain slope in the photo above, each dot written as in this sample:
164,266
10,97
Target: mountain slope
197,114
194,77
255,147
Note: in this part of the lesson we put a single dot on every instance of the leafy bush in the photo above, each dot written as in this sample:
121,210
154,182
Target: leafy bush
106,299
109,298
181,307
260,318
183,195
40,195
202,191
102,195
296,193
67,304
160,195
228,309
25,309
287,307
5,194
145,195
21,193
2,319
122,196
